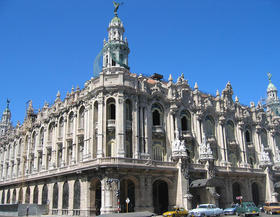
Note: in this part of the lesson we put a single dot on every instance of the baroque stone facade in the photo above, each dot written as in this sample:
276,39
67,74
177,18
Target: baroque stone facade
159,143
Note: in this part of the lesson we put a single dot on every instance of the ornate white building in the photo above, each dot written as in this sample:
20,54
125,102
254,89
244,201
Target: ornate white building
158,143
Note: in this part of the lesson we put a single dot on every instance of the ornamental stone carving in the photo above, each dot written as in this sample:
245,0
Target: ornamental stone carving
205,152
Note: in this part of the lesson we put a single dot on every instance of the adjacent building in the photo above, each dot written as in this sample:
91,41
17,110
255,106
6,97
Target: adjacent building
159,143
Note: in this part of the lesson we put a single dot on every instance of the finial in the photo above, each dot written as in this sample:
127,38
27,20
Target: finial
195,85
269,76
170,78
58,94
236,99
182,75
217,93
8,103
78,88
72,90
116,5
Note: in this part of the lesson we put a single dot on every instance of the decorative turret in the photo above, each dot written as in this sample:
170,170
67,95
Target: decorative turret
272,101
5,123
115,50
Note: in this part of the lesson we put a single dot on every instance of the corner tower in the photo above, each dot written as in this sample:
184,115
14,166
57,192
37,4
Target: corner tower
115,49
272,101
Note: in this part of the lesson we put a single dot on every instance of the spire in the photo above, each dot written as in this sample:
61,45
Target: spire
5,123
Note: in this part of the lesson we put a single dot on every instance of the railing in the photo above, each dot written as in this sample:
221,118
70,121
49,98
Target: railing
76,212
64,211
54,211
158,129
111,123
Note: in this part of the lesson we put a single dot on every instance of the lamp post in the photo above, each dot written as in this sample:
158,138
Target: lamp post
118,191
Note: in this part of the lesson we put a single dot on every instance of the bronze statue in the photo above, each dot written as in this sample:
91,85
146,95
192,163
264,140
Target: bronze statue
116,5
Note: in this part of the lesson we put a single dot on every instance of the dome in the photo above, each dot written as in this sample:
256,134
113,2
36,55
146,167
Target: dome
116,21
271,87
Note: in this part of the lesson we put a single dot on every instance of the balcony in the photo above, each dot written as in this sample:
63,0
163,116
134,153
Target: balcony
39,148
158,131
232,143
187,135
249,144
111,124
81,131
59,139
69,136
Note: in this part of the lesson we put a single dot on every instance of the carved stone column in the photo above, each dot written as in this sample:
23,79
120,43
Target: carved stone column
135,128
109,199
100,127
120,125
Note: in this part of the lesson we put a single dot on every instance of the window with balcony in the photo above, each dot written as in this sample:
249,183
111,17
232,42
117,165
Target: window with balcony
81,148
60,129
157,114
42,136
33,140
185,121
158,151
51,133
82,118
70,122
264,138
230,132
209,127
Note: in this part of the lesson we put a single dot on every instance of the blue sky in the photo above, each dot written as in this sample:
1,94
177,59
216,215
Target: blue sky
50,45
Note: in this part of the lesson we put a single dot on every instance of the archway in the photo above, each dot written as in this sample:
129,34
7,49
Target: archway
8,197
35,195
3,197
20,195
45,195
236,192
95,197
55,196
77,195
14,198
127,191
27,195
255,193
65,196
160,196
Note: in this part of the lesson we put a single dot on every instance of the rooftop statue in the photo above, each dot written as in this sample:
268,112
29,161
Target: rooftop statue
116,5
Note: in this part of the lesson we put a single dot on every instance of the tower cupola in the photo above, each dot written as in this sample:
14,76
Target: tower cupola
271,90
115,49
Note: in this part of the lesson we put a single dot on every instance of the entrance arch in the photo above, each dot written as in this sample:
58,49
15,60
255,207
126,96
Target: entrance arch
255,193
95,197
127,191
160,196
236,191
20,196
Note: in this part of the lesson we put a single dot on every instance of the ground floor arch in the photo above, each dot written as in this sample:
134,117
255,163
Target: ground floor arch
236,192
255,193
160,196
127,190
95,197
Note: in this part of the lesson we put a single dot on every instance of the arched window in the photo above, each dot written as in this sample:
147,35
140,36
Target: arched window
65,195
186,121
51,131
19,147
77,195
60,130
111,109
70,122
209,127
82,117
45,195
230,131
55,196
33,140
157,113
42,136
128,110
35,195
248,137
264,138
